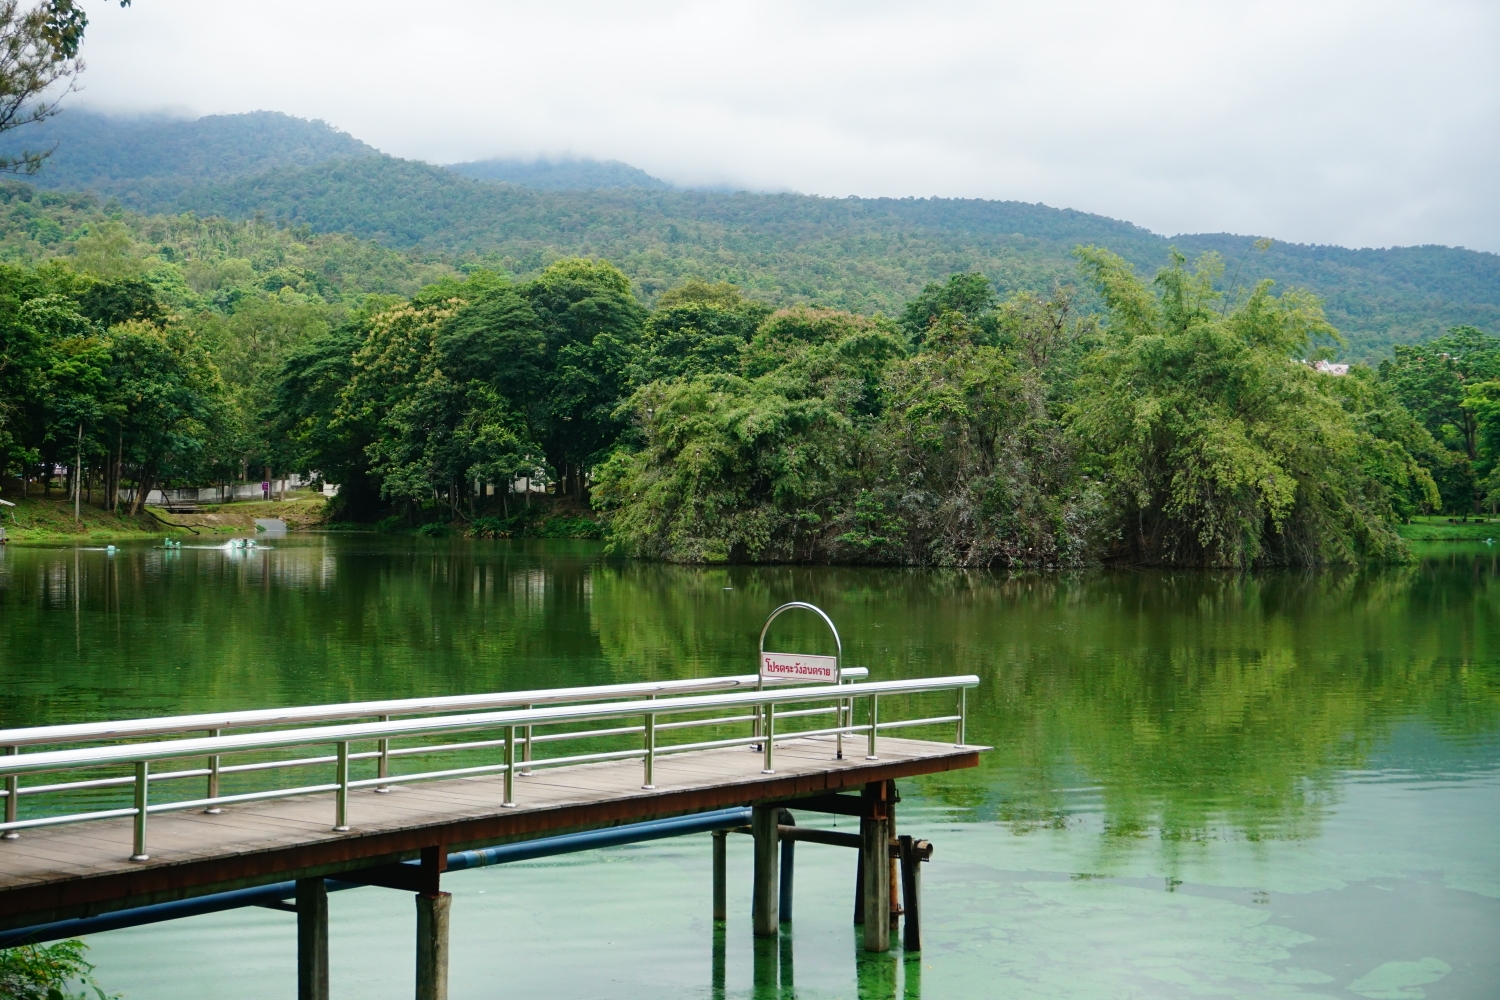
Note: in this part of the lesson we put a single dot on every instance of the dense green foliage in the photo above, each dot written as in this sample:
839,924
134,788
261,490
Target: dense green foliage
90,369
1182,432
469,383
858,254
1176,426
46,972
1214,447
1451,385
560,175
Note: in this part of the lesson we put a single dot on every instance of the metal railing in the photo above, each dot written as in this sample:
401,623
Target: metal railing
518,729
215,723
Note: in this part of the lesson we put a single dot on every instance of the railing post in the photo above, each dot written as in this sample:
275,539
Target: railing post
526,747
385,760
963,711
510,767
874,721
341,797
12,794
760,684
838,722
650,752
767,766
213,777
142,782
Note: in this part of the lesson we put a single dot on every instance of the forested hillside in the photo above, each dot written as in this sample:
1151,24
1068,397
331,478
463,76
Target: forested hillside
864,255
144,162
560,175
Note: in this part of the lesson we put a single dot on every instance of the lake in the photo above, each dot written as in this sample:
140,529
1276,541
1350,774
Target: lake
1273,785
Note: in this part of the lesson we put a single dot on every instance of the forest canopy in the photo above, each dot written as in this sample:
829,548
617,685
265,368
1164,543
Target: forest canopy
1174,421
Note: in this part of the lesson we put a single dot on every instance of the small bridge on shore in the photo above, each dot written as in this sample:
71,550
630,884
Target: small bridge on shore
114,824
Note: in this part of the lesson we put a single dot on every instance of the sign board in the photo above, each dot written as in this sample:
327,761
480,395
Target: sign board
799,666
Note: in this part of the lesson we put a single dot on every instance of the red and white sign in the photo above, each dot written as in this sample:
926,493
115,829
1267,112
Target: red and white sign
798,666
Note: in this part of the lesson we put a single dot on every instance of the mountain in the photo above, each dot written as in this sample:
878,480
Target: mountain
145,161
864,254
560,175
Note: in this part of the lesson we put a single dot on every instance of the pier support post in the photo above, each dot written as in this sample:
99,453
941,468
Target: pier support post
788,861
312,939
859,889
721,884
875,857
911,892
432,945
764,909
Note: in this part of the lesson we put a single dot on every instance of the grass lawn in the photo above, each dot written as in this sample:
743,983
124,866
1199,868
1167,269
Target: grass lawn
1437,528
38,520
35,519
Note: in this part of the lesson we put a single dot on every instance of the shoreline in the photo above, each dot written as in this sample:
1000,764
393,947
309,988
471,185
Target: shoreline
47,521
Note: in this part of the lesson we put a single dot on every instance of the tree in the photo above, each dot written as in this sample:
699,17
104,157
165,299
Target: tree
166,402
1431,380
834,444
697,329
591,325
1482,403
38,51
21,351
1395,449
444,391
1215,447
970,295
301,416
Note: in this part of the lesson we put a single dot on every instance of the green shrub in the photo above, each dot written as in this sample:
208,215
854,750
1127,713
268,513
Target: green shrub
44,972
571,527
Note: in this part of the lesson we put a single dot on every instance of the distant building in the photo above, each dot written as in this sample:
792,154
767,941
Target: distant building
1328,368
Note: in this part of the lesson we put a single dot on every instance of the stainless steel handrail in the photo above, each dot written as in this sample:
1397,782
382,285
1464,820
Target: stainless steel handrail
763,704
125,729
56,760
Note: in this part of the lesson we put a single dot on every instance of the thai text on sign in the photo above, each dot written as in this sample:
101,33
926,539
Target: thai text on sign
798,666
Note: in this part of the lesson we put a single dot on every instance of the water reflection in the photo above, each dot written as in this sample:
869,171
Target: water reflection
1179,705
1227,739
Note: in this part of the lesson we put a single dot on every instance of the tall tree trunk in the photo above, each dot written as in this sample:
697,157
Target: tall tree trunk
114,493
143,487
77,474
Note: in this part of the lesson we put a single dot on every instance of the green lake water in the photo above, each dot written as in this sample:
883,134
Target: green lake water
1277,785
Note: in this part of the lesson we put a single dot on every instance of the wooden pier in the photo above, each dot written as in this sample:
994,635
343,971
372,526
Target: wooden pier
402,835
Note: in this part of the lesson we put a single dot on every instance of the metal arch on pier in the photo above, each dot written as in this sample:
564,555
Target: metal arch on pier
837,642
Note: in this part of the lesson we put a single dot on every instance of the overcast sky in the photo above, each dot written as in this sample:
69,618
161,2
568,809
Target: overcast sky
1359,123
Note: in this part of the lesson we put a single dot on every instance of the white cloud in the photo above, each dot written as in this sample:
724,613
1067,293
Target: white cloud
1359,123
